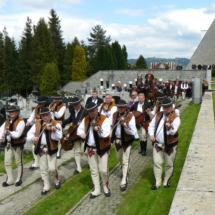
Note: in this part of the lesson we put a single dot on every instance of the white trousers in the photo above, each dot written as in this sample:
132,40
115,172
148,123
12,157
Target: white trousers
48,164
36,157
78,149
98,164
11,152
142,134
159,157
124,159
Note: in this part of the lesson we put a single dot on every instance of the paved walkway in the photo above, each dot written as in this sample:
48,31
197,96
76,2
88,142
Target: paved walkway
195,193
16,200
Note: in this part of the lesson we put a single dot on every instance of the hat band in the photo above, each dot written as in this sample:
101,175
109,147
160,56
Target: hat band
44,113
91,108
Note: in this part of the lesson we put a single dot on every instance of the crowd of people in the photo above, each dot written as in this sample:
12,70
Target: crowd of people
202,67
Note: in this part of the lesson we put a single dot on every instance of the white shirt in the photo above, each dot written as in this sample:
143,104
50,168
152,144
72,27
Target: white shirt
109,114
131,131
31,118
14,134
59,114
140,107
161,109
56,135
91,141
159,136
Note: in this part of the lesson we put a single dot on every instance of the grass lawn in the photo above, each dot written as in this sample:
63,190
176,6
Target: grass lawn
62,200
27,157
141,199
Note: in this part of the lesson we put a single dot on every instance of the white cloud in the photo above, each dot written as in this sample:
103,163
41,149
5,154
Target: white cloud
130,12
210,9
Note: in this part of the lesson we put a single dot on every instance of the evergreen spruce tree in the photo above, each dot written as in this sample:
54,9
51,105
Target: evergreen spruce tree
97,39
57,39
25,49
79,65
125,54
42,51
91,66
141,62
50,79
2,64
119,56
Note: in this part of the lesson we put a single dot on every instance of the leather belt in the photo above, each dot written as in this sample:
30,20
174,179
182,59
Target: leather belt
91,147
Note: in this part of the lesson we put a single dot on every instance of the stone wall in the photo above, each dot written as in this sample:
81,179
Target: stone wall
129,75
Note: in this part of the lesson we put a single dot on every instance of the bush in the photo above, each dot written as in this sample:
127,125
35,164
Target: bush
213,72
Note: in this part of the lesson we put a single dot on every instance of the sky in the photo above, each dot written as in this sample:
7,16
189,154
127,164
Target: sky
166,29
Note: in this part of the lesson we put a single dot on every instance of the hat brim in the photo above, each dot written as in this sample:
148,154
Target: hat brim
11,110
167,105
91,108
40,102
44,113
57,97
122,105
163,97
74,103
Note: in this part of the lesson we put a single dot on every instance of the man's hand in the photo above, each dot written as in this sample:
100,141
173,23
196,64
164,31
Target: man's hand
35,139
60,122
7,132
168,125
1,141
28,123
83,136
152,138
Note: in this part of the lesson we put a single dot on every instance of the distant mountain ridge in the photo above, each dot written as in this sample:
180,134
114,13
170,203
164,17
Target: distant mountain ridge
149,60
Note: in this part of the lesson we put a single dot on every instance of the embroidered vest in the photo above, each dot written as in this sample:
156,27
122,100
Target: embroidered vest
102,144
106,107
21,140
172,140
127,139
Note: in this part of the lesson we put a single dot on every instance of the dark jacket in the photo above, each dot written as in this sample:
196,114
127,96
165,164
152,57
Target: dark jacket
100,100
146,106
72,117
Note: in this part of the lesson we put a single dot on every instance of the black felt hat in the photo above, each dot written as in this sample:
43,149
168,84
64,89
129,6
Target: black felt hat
74,101
161,96
167,102
41,99
122,103
44,110
13,108
91,106
57,96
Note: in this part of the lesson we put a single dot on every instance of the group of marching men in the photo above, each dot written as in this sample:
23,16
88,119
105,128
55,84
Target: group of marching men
99,124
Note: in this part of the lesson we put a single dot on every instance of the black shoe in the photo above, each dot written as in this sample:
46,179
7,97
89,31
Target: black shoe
59,157
108,194
58,185
143,153
33,168
76,172
140,152
123,187
167,185
44,192
154,187
4,184
93,196
18,183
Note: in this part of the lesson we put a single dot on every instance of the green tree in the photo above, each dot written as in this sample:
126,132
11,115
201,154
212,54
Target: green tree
79,65
97,39
50,79
25,49
42,51
120,61
91,66
57,39
2,64
141,63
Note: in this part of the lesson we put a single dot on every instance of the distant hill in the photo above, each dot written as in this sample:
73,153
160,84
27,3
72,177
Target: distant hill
149,60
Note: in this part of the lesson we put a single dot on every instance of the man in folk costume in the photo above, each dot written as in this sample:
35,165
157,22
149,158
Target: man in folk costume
95,129
177,90
94,98
32,119
108,107
142,106
58,110
170,89
78,112
163,131
124,129
45,134
12,132
149,78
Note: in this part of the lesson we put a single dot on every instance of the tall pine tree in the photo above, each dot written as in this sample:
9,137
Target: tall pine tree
57,39
119,56
141,62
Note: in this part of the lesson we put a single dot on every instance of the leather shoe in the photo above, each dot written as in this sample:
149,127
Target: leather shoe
123,187
76,172
58,185
44,192
93,196
154,187
5,184
167,185
59,157
143,153
33,168
108,194
18,183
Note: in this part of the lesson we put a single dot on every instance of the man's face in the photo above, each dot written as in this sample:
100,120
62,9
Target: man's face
77,106
57,100
121,109
93,113
40,105
108,99
13,114
46,117
94,95
167,110
141,99
134,95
